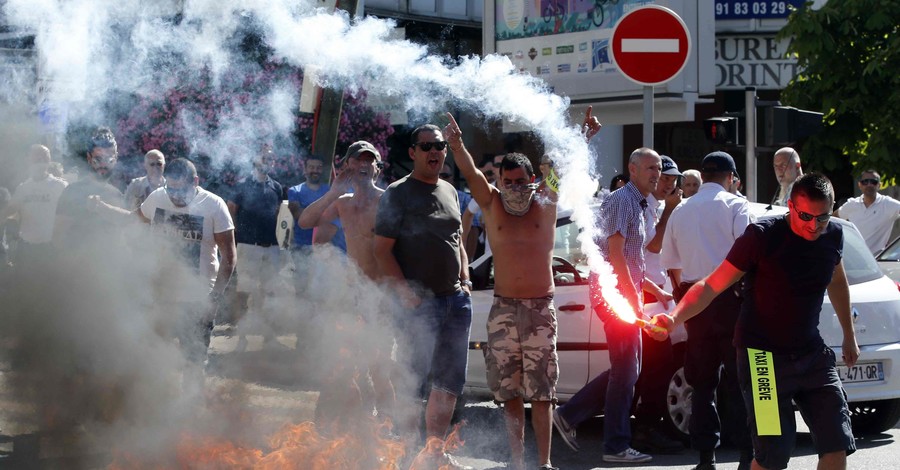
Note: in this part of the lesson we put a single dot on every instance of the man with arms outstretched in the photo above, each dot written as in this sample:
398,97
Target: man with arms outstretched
787,264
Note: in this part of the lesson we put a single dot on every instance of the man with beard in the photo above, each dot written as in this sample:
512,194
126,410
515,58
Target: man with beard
787,168
199,223
419,250
353,198
140,188
77,221
35,203
304,194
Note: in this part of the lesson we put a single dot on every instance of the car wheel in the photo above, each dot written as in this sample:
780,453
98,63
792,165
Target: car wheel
873,417
678,399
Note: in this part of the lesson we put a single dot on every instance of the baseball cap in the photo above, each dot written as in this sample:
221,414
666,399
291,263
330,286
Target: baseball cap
718,161
669,167
360,147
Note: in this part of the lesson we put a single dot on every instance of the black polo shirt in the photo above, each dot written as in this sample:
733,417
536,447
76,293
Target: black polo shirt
257,214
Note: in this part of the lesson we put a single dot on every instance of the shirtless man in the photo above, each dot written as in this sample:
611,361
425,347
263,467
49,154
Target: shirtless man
357,211
520,219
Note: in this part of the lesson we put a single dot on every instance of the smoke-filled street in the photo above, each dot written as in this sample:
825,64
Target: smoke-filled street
271,395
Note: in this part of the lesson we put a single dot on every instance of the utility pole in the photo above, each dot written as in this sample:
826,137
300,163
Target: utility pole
328,109
751,178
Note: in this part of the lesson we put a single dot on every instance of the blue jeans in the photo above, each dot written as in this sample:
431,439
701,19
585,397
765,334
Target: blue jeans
615,384
433,342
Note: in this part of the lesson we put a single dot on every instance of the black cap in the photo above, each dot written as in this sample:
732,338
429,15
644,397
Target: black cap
669,167
718,161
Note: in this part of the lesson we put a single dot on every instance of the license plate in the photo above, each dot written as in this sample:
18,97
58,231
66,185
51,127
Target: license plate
868,372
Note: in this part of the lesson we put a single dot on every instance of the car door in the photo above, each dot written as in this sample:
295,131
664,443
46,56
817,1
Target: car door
573,310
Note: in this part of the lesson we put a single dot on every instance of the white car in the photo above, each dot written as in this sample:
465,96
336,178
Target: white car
872,385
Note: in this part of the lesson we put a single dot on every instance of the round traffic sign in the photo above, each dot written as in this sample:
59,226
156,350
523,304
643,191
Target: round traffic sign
650,45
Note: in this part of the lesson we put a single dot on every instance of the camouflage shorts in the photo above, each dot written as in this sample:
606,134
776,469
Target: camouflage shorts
520,357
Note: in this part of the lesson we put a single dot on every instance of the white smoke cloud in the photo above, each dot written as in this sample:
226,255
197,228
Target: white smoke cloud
91,48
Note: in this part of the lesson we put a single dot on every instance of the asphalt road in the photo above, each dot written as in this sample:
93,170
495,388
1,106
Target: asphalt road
278,388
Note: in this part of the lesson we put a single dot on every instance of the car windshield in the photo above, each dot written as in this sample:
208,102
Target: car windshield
891,253
859,264
567,245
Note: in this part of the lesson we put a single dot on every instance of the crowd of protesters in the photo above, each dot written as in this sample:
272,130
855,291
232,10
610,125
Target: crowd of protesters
416,237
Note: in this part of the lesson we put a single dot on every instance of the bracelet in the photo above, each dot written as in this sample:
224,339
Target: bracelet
466,283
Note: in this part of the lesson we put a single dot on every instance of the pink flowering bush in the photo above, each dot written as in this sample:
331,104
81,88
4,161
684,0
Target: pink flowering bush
157,120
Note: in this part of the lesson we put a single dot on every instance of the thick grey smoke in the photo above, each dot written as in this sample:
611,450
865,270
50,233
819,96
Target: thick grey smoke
101,315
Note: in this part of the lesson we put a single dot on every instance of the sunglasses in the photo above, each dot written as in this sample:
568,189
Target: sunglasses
156,164
821,218
102,159
489,173
179,193
446,176
871,181
427,146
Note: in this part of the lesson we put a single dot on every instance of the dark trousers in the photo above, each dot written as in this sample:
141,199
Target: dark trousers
709,348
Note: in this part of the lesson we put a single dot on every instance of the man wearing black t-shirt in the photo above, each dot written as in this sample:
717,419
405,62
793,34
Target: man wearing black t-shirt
254,207
418,249
788,263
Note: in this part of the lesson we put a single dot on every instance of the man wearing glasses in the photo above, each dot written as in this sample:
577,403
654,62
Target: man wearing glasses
77,223
199,224
787,264
140,188
872,213
419,250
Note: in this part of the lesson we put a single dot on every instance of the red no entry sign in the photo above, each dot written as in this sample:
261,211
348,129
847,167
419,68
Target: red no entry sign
650,45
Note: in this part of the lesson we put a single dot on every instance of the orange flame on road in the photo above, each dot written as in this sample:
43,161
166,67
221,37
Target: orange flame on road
298,446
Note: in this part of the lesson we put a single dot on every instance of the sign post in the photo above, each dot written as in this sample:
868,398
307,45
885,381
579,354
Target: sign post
650,46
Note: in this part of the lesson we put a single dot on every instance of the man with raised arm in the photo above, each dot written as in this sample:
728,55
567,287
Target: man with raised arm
521,360
357,210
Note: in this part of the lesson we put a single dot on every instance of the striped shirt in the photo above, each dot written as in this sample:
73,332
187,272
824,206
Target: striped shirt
623,212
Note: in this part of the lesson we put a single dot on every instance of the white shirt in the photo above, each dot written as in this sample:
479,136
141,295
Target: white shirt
652,265
194,224
36,202
874,222
702,230
138,190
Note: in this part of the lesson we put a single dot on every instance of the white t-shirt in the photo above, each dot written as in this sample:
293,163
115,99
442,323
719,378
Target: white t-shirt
195,224
874,222
36,202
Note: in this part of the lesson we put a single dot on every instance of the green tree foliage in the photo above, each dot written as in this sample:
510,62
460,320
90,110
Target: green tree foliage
849,57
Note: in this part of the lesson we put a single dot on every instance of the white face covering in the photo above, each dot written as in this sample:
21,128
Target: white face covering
517,198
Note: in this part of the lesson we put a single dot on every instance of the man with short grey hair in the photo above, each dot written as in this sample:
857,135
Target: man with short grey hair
621,233
787,169
139,188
